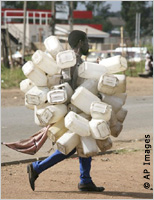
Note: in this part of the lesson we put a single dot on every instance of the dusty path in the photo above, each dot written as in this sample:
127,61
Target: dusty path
121,173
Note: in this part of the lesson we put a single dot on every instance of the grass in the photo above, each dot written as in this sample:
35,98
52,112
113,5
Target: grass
135,68
11,78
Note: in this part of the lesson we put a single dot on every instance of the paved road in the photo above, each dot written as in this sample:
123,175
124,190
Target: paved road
18,123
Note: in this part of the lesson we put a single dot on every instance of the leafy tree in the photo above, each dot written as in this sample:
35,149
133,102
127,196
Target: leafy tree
128,13
34,4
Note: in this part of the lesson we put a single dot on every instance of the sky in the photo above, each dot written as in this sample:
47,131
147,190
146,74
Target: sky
115,6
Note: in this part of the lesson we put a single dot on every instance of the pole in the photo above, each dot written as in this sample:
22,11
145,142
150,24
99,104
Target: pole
53,17
24,32
122,39
136,30
9,48
139,22
71,16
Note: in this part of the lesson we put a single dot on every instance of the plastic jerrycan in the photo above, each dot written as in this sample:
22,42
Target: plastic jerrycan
110,84
36,95
45,63
57,130
91,85
100,110
53,45
116,129
99,129
82,98
26,85
121,115
67,142
78,124
36,75
104,145
114,64
66,59
89,146
48,114
90,70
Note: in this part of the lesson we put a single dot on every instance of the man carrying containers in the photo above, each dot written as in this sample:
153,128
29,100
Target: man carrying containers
79,43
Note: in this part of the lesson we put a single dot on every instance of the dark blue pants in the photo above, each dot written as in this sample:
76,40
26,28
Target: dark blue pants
57,156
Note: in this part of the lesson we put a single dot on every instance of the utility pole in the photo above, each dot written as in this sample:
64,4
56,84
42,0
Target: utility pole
9,48
137,29
122,39
24,32
53,17
71,16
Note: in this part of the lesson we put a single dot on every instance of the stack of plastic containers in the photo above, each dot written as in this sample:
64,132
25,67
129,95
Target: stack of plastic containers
85,118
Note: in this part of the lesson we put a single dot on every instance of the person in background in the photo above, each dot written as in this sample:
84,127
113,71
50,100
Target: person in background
79,43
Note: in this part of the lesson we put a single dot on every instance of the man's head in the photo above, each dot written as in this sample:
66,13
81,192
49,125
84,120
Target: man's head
78,39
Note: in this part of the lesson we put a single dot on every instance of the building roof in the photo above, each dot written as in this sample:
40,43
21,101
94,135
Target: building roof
64,30
116,21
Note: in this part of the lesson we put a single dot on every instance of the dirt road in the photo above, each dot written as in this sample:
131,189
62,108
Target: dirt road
121,172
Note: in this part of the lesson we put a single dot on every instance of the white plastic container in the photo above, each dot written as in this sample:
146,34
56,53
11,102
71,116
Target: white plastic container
53,45
57,130
73,108
114,64
89,146
67,142
26,85
116,130
99,129
36,95
33,73
53,80
113,121
82,98
114,101
110,84
100,110
91,85
66,59
121,115
77,124
49,114
122,96
57,96
29,106
91,70
79,150
45,63
104,145
65,86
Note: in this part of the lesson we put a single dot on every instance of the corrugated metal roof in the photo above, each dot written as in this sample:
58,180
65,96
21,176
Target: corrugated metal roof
63,29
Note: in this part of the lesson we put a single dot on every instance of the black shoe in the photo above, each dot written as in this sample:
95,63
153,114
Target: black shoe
32,176
90,187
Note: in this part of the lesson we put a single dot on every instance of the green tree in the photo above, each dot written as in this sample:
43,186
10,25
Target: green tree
100,13
128,13
33,4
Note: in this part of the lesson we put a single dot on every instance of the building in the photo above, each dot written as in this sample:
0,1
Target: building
38,27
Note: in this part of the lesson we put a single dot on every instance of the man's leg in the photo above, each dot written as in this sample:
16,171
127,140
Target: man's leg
86,183
85,166
56,157
38,167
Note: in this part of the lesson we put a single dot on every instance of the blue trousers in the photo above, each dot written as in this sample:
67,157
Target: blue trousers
57,156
